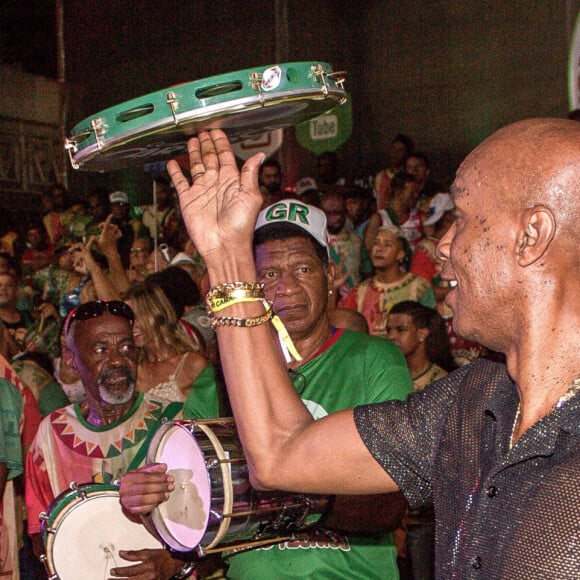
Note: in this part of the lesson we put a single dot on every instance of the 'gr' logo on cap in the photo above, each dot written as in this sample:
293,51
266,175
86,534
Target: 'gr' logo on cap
292,212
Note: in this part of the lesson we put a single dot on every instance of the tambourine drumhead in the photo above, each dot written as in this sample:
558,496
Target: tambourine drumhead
84,531
244,103
183,519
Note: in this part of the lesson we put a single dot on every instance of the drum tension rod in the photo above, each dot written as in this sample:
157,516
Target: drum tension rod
339,77
74,486
173,105
99,129
70,146
320,77
256,82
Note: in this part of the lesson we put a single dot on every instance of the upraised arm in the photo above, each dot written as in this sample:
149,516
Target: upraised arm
221,205
106,243
86,264
284,447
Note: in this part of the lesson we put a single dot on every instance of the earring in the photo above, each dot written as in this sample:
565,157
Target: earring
330,292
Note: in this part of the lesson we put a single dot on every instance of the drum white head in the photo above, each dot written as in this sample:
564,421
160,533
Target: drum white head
183,519
88,530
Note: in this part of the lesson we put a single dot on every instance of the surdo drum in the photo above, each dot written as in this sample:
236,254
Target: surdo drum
156,127
213,506
83,530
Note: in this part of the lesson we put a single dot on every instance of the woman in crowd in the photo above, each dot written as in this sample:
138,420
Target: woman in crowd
169,360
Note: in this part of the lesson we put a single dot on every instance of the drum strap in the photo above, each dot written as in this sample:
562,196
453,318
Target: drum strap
169,413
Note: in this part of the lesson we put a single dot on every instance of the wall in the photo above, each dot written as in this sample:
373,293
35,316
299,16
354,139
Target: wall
31,154
446,72
453,71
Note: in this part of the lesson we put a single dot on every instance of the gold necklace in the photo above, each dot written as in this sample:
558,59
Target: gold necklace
571,391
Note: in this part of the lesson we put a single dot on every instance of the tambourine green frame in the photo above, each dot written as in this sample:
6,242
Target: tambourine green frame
156,127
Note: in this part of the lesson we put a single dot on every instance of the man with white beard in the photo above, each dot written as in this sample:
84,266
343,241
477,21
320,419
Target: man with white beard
105,435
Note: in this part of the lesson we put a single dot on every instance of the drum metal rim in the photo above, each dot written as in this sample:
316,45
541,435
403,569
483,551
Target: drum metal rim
334,95
228,491
75,492
63,506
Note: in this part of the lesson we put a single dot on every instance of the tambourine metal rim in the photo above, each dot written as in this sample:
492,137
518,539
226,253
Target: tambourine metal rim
205,114
180,112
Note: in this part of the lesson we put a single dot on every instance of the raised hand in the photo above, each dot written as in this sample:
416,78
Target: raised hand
83,262
221,205
106,242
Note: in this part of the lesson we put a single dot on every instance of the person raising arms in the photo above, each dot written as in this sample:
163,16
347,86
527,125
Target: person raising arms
499,448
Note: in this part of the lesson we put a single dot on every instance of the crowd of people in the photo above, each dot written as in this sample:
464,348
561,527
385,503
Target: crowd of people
105,334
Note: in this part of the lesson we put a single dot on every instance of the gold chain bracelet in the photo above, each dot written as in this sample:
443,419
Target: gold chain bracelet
226,295
248,322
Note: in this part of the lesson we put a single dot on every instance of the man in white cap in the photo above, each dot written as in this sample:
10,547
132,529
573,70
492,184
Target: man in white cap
424,260
336,368
119,202
306,185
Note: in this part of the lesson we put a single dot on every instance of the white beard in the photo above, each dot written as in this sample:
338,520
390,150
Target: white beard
116,397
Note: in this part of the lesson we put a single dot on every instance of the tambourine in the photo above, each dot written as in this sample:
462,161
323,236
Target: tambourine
156,127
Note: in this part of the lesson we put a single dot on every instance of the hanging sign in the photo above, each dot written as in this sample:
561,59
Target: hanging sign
326,132
267,143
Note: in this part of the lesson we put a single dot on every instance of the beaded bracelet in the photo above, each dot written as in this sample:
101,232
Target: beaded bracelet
249,322
225,295
230,293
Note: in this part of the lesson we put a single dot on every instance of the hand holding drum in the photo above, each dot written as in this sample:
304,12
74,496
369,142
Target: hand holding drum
204,500
143,489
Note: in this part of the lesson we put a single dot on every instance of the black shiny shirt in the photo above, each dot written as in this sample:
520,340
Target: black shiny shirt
500,513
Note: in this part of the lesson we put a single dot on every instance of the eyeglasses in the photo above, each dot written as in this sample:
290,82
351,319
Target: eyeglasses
97,308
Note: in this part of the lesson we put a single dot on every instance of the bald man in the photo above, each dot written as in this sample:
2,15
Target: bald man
498,448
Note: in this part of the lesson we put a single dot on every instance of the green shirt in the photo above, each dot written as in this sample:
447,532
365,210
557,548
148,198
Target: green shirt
351,369
10,415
